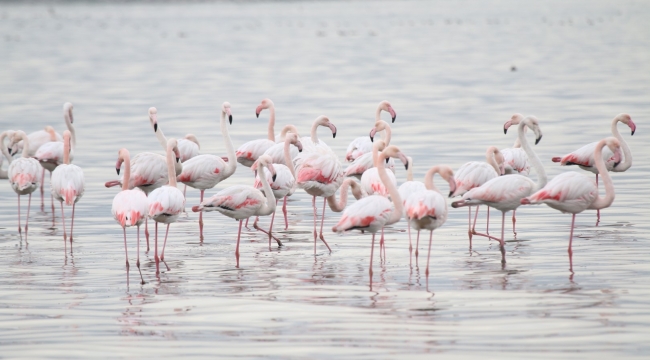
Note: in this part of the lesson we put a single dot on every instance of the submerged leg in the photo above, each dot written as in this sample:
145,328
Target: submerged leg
372,251
271,227
502,242
138,261
313,203
20,229
29,203
42,190
487,228
155,256
417,245
146,231
469,227
514,220
162,254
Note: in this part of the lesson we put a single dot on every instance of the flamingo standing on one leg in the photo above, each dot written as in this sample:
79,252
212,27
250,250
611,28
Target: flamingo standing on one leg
515,159
130,206
373,212
23,176
248,153
166,202
474,174
362,145
283,182
241,201
584,157
573,193
68,184
318,171
428,209
505,192
205,171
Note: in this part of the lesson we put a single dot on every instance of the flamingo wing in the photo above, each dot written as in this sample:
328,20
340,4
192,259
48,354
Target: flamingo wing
50,152
238,201
130,207
372,184
370,213
473,174
568,192
68,183
248,153
276,152
283,184
358,147
148,171
503,192
167,201
24,174
516,161
188,149
203,171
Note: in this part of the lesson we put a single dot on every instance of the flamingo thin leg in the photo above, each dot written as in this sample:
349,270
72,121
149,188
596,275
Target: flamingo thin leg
42,190
20,229
487,227
138,261
383,244
201,218
72,223
322,220
284,211
29,203
429,254
408,228
417,245
63,222
597,210
126,252
146,231
469,228
475,217
372,250
570,251
237,247
155,256
162,254
502,242
514,220
313,202
271,227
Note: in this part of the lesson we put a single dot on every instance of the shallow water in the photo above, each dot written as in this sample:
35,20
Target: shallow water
446,69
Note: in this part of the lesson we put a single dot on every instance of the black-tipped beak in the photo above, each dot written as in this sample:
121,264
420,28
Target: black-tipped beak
406,166
537,140
299,150
386,160
616,164
505,130
155,127
230,119
178,159
274,177
257,115
372,139
334,135
451,193
118,170
633,132
394,117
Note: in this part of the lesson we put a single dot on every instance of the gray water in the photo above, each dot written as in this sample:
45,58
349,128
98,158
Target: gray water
446,69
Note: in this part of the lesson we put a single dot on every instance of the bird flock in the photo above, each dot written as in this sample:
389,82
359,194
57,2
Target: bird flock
149,181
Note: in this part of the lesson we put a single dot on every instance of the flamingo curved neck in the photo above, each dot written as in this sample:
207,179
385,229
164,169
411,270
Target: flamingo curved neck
230,150
287,157
269,207
68,124
66,148
286,129
627,154
21,135
343,200
126,159
532,156
409,172
396,215
314,130
602,202
171,170
490,158
272,122
386,136
161,137
378,113
5,152
428,178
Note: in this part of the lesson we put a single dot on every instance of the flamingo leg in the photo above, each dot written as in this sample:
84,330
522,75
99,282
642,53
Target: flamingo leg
126,252
138,261
63,222
184,191
20,229
51,196
237,247
322,220
514,220
469,228
284,211
382,244
372,250
313,202
246,223
72,223
271,227
570,251
475,217
162,254
429,254
156,249
42,190
408,229
597,210
417,245
146,231
200,217
502,241
29,203
487,227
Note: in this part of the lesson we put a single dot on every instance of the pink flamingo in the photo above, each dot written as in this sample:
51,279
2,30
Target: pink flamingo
68,184
366,161
248,153
573,193
23,176
407,188
276,152
373,212
153,118
428,209
474,174
515,159
205,171
370,181
5,152
318,171
362,145
241,201
130,206
504,193
166,202
584,157
284,183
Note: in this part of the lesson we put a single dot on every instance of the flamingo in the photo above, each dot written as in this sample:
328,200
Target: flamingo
338,206
160,136
248,153
515,159
370,181
166,202
407,188
428,209
284,183
5,152
276,152
241,201
584,157
361,145
23,176
205,171
373,212
504,193
474,174
68,184
572,192
38,138
365,162
318,171
130,206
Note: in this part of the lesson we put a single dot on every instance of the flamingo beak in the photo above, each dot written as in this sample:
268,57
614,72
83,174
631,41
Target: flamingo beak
272,170
333,128
525,201
71,117
229,115
452,186
118,170
372,134
196,208
506,126
632,126
154,120
538,139
393,115
299,146
258,110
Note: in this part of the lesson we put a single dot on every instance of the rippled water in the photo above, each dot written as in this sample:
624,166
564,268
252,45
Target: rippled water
446,69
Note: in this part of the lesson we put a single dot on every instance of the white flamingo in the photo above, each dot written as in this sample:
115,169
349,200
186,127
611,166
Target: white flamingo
515,159
205,171
24,177
248,153
584,157
130,206
276,152
366,162
5,152
166,202
241,201
573,193
505,192
362,145
68,184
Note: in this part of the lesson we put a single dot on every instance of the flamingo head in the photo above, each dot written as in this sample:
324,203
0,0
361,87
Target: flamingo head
387,107
225,109
532,122
120,159
325,121
265,104
514,120
627,120
380,125
15,138
394,152
293,138
448,174
267,162
153,118
615,146
67,111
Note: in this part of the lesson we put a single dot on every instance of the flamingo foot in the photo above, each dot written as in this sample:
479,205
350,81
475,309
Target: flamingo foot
487,236
325,242
167,266
267,233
